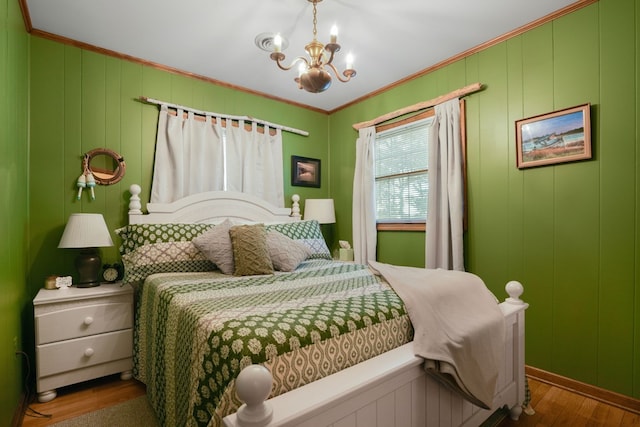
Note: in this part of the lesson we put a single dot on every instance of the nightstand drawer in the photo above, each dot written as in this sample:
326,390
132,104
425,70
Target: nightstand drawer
83,321
82,352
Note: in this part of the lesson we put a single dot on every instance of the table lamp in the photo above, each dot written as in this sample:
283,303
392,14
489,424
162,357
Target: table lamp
88,232
323,211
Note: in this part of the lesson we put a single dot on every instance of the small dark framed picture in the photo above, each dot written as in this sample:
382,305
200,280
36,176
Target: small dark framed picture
557,137
305,172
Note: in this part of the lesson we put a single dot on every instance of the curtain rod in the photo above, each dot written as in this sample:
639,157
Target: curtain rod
420,106
225,116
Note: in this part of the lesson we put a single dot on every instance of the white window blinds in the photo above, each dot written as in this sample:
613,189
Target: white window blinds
401,173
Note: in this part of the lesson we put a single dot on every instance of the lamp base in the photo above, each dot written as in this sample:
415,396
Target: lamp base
88,285
88,264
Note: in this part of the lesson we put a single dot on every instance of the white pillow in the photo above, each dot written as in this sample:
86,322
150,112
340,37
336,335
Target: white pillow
286,254
307,232
215,244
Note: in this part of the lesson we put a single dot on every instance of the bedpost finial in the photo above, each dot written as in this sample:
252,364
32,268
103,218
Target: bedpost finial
253,387
135,207
514,289
295,206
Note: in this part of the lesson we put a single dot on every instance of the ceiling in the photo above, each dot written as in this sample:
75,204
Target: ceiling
390,40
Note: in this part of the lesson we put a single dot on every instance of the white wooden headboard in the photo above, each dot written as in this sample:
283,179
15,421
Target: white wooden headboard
210,207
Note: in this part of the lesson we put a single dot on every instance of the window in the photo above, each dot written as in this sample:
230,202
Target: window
401,173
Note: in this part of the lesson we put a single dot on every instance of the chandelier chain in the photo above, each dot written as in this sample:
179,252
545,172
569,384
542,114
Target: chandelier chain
315,20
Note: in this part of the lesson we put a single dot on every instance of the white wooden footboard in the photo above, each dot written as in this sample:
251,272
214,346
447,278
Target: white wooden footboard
390,390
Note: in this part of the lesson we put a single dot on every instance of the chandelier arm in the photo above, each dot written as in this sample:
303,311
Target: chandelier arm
332,48
293,63
337,74
330,60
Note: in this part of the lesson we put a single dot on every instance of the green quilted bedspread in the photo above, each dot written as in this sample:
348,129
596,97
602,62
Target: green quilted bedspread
196,331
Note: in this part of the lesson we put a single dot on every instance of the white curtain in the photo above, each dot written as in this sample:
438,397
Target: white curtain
364,202
190,159
254,162
444,236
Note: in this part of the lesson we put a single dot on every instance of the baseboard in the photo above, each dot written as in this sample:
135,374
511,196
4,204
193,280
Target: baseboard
609,397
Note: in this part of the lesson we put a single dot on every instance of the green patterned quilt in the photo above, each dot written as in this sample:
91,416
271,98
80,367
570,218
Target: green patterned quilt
196,331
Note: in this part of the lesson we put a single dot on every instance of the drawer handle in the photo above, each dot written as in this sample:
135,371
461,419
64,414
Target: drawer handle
88,352
88,320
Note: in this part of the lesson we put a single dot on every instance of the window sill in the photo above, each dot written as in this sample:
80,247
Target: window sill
399,226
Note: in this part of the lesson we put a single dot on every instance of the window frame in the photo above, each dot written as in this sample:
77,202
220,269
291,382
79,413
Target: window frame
401,225
422,226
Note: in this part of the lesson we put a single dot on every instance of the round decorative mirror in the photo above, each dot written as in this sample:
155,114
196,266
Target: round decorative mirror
106,165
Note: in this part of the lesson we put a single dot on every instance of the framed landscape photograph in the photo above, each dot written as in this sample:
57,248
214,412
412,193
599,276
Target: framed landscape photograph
305,172
557,137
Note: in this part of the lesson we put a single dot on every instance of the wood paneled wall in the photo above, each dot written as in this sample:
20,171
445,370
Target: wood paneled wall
568,232
82,100
14,227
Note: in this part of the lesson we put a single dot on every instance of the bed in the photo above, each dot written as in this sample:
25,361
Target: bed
311,342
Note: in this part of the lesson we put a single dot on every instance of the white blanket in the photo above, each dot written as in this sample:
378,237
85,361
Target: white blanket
459,327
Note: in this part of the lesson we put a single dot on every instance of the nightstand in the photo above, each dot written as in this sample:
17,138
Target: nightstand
82,334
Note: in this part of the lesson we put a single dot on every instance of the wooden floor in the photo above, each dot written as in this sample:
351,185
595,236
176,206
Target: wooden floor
81,398
554,406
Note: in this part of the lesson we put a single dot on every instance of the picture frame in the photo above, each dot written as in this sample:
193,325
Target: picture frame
557,137
305,172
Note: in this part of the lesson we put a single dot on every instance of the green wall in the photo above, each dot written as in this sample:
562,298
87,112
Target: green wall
569,232
83,100
14,96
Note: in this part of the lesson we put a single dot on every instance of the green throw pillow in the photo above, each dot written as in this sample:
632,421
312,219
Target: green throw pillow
250,252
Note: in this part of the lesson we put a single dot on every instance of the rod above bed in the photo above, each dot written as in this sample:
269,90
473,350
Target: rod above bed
224,116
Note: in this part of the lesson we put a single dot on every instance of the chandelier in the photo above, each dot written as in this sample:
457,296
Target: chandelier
312,72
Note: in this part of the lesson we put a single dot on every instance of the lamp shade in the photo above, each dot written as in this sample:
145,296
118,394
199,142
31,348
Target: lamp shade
321,210
85,230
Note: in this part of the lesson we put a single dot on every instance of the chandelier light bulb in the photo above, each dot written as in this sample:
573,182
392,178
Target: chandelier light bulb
350,61
334,34
277,43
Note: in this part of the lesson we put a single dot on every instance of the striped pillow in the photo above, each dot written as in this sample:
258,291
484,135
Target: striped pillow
161,248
